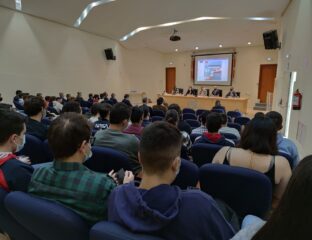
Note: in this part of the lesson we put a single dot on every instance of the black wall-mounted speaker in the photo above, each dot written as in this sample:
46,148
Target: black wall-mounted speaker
270,39
109,54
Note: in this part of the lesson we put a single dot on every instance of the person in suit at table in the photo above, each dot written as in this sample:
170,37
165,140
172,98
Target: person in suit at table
126,100
189,91
231,93
216,92
202,91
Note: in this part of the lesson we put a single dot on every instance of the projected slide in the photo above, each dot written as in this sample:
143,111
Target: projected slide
213,69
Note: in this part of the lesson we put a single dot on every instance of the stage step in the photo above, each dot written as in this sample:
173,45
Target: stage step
260,107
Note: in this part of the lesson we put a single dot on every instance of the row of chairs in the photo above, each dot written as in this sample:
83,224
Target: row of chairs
30,218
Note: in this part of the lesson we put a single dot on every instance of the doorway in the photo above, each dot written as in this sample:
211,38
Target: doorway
170,79
266,81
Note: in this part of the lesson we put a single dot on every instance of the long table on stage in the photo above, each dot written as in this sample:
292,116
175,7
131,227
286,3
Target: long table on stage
203,102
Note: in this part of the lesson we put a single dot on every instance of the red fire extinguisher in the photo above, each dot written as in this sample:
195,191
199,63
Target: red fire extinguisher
297,99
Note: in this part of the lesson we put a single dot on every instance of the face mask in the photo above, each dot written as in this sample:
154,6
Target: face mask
88,156
19,147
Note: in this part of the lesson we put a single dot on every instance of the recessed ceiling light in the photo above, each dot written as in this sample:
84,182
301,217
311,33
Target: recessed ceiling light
18,5
176,50
196,48
249,43
269,59
220,45
170,63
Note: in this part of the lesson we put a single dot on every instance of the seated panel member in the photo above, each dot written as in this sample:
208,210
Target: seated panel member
189,91
155,207
216,92
231,93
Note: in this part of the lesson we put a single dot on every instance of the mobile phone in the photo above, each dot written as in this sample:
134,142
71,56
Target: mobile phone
120,176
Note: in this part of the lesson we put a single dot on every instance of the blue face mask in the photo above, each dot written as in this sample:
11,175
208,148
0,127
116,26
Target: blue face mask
19,147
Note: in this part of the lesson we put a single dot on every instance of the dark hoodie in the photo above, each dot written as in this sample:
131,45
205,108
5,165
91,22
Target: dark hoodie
168,212
215,138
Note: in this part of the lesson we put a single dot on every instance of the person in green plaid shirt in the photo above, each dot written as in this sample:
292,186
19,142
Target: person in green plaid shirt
67,180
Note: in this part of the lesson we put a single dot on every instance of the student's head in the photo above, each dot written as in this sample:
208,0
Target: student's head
113,95
259,114
217,103
160,101
94,109
68,96
159,151
136,115
18,92
224,119
0,98
144,100
34,106
126,96
213,122
61,95
120,115
292,218
105,95
39,95
231,89
96,97
58,99
276,118
90,95
259,136
12,134
72,106
79,94
203,117
146,113
104,110
177,108
172,117
69,135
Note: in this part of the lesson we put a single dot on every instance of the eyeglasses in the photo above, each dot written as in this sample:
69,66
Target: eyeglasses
92,140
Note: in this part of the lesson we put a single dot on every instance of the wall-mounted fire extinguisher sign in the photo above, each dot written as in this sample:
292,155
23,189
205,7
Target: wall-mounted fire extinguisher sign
297,100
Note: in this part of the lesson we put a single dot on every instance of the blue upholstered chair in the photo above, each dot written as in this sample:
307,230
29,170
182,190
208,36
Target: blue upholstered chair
242,120
234,114
188,175
188,110
217,110
199,112
34,149
9,225
47,220
158,113
229,136
235,125
244,190
189,116
46,121
193,123
47,151
85,110
112,231
193,136
107,159
203,153
157,118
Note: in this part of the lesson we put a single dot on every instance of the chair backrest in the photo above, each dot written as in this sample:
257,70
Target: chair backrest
189,116
157,118
85,110
46,121
203,153
199,112
217,110
234,114
85,104
112,231
193,123
188,175
188,110
47,151
106,159
46,219
52,110
229,136
193,136
235,125
9,225
18,105
34,149
246,191
288,157
158,113
242,120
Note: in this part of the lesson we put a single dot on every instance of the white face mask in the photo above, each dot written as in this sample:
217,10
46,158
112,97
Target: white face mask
19,147
88,156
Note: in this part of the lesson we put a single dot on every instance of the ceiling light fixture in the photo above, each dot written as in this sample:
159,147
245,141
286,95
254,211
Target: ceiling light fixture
140,29
220,45
196,48
174,37
88,9
18,5
249,43
176,50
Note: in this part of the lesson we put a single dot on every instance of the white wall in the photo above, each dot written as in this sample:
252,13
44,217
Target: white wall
41,56
296,33
246,79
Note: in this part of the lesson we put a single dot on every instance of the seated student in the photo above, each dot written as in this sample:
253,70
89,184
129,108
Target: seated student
61,95
103,122
182,125
72,106
216,92
219,106
35,110
126,100
226,129
283,144
259,114
202,119
113,98
96,99
90,99
231,93
189,91
160,105
79,97
67,180
257,150
57,105
144,104
136,122
146,116
113,137
94,113
103,97
157,208
213,124
15,172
